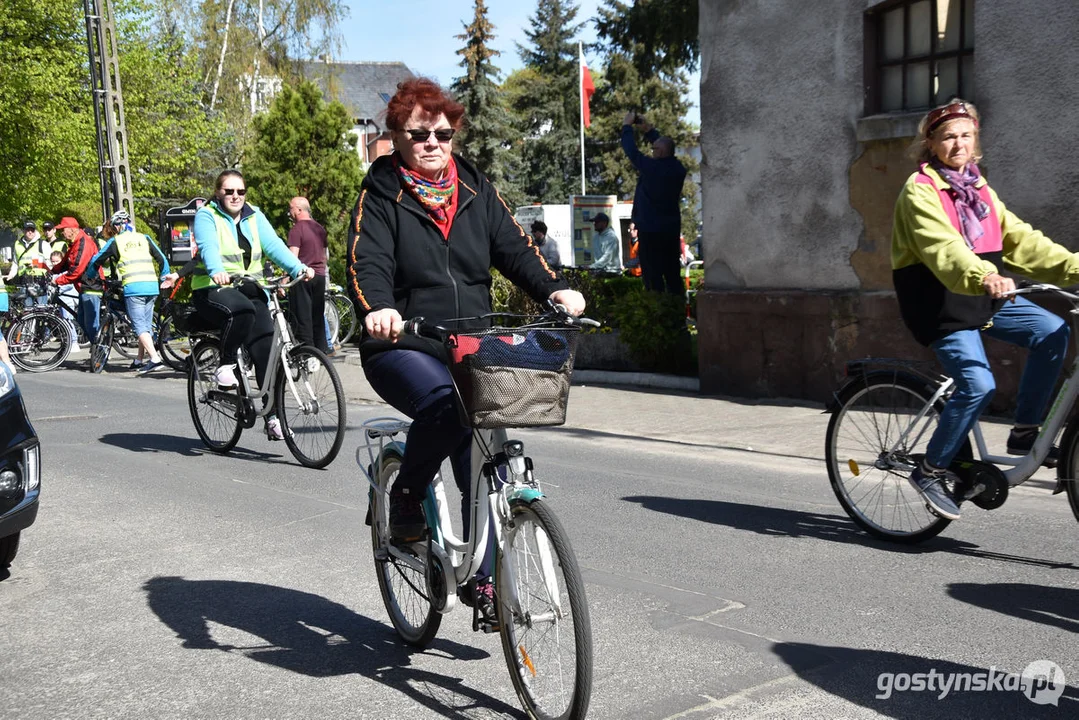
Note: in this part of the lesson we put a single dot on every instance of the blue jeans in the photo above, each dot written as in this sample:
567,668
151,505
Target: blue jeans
963,356
89,317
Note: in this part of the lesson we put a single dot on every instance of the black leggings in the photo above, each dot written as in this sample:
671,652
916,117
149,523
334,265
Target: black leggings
244,319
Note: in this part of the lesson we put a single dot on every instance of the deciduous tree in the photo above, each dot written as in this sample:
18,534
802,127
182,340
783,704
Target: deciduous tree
302,146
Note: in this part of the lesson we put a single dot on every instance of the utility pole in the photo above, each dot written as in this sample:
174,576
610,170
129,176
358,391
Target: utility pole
108,109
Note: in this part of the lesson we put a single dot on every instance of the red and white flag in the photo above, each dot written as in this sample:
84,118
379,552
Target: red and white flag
587,90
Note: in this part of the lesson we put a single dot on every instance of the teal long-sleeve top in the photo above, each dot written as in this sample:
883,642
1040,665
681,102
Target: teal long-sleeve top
142,288
272,246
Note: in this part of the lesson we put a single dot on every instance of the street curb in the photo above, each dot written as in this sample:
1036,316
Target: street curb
609,377
637,379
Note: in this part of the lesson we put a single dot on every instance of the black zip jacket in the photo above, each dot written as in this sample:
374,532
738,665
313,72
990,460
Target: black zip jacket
398,258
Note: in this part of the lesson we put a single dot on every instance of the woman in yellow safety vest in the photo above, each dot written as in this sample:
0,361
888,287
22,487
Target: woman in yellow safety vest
134,255
232,238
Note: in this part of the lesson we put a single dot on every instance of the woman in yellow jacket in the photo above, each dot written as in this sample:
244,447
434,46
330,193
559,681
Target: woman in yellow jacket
951,239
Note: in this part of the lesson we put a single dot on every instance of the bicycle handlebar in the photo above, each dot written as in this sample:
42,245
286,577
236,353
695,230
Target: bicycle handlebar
556,314
269,283
1025,287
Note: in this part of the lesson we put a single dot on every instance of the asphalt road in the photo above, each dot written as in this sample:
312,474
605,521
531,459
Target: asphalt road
162,581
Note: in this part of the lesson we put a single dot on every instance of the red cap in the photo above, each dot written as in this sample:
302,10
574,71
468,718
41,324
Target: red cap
68,222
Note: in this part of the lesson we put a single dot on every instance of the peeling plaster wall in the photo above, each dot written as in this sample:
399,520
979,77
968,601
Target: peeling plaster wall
1026,85
781,88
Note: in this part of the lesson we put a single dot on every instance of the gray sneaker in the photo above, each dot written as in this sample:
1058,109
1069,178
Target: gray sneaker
934,492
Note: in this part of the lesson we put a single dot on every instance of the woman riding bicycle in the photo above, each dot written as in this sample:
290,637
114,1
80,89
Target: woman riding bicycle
426,230
232,238
951,239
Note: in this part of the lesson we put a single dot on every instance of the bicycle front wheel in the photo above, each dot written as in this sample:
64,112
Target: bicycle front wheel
401,581
543,615
215,412
101,347
39,341
311,407
873,441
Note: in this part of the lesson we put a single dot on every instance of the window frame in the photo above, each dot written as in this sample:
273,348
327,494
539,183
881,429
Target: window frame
873,66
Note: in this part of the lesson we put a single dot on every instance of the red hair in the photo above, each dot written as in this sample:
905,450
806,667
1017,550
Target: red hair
428,95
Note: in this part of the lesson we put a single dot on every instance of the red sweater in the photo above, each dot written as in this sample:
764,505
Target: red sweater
74,263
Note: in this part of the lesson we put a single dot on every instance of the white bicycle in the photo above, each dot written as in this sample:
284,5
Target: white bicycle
540,606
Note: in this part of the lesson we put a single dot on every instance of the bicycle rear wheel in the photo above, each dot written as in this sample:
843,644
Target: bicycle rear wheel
312,407
39,341
174,346
332,320
101,348
349,322
216,413
547,633
869,459
124,338
403,585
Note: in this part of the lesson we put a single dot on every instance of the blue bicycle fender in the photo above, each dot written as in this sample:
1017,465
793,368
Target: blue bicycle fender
524,495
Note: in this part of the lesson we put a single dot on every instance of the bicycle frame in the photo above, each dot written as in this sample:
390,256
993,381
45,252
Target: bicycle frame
280,346
488,502
1021,468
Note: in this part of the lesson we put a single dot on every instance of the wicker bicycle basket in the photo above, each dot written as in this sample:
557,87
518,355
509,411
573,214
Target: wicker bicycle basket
516,377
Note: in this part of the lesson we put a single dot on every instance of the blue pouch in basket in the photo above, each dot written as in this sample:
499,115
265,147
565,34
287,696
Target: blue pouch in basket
534,350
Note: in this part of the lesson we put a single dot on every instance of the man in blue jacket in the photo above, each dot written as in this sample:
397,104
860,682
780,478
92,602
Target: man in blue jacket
657,210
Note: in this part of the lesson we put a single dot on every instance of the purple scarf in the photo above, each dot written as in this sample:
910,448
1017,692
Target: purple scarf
969,205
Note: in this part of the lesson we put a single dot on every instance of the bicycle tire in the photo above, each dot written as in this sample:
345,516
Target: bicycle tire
548,649
173,345
124,338
874,410
39,341
333,320
1069,463
349,321
101,348
218,423
312,418
403,588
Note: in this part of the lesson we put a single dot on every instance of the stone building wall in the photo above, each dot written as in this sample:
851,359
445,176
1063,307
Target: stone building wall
798,185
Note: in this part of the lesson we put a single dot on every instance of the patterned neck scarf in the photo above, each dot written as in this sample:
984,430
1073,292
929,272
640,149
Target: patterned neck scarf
969,205
434,195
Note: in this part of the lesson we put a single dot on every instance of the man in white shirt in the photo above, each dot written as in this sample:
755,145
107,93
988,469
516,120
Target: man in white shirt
605,245
547,247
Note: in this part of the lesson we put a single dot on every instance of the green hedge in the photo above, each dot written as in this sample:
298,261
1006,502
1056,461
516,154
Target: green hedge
651,324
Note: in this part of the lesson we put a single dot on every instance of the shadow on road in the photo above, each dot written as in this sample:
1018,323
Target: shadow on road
188,446
835,528
308,634
1055,606
860,676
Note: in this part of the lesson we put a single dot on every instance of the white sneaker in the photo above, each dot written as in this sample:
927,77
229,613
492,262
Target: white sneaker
273,429
225,376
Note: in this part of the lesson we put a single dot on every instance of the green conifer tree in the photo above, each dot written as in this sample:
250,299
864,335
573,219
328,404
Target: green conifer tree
546,101
488,135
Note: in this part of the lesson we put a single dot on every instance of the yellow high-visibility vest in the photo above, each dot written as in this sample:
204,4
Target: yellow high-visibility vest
232,255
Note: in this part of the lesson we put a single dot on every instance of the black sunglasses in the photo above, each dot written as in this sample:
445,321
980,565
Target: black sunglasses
230,191
443,135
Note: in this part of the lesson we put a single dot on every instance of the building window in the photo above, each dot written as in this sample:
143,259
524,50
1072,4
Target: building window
919,54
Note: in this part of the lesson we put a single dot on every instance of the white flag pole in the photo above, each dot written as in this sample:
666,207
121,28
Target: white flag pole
580,92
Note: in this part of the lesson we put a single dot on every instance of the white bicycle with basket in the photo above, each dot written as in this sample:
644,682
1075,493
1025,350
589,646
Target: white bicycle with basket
541,611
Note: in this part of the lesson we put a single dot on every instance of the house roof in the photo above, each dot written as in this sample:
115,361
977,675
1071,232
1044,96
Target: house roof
364,88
